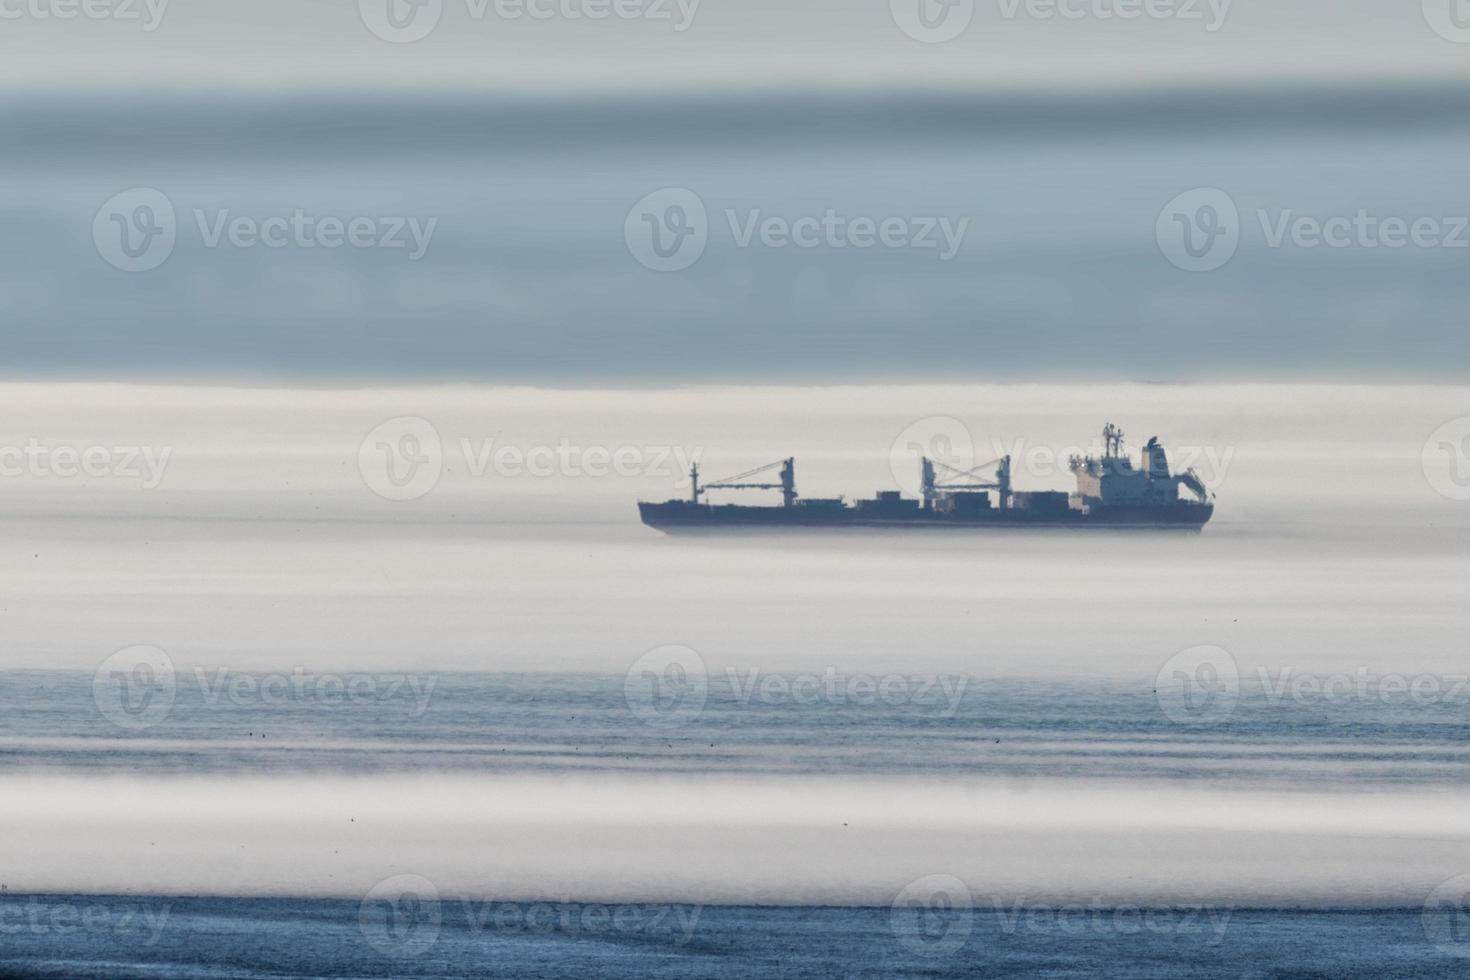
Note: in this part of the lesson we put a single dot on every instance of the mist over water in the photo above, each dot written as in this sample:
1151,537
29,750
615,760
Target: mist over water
885,704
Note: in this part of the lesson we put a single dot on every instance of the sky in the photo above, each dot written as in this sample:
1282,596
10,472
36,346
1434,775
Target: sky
1003,190
672,45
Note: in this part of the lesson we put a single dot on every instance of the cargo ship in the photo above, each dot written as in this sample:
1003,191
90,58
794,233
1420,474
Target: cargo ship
1111,492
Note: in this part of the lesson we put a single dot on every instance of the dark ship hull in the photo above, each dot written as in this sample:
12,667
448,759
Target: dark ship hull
682,516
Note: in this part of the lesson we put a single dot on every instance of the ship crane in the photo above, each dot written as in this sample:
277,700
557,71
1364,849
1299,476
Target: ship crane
1190,480
934,484
787,486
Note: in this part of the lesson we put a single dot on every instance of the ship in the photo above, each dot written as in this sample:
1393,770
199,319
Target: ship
1111,492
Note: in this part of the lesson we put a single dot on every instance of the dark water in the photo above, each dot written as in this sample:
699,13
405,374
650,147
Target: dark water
280,938
224,721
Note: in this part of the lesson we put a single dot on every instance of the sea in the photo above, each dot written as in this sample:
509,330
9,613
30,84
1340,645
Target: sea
381,682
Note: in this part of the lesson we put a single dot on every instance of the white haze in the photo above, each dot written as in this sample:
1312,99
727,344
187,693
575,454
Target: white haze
275,43
728,841
262,548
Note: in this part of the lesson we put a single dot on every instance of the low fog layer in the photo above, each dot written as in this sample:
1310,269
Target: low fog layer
700,840
263,545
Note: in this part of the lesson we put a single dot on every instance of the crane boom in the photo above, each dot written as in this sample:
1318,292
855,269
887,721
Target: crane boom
787,485
935,485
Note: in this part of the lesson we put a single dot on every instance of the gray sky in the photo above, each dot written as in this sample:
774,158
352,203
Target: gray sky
668,45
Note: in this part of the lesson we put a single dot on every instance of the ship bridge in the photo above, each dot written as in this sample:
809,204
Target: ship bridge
1112,480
